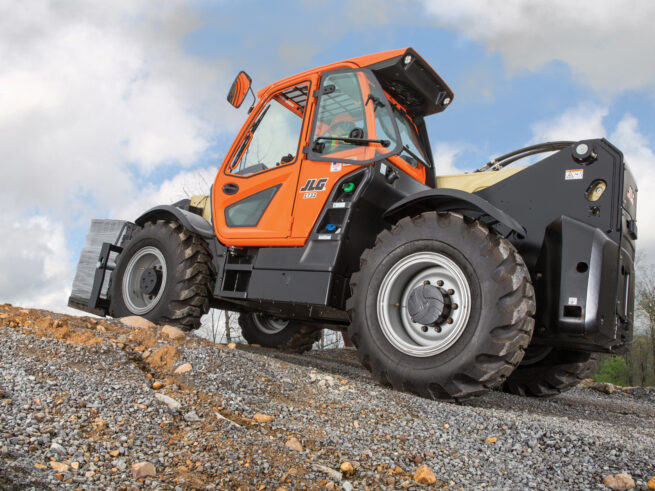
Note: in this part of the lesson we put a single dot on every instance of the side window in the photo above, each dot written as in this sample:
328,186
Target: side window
273,137
354,123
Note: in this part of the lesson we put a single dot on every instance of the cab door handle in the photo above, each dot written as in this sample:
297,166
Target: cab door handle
230,188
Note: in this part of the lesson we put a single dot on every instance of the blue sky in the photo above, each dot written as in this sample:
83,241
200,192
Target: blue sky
105,112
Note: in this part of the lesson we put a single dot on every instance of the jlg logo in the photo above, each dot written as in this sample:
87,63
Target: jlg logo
314,185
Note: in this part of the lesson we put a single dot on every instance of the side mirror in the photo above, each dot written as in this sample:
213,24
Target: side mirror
239,89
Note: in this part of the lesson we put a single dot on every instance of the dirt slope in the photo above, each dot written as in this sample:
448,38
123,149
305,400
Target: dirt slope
82,401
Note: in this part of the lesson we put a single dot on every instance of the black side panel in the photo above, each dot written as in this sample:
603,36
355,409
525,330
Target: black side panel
579,250
541,193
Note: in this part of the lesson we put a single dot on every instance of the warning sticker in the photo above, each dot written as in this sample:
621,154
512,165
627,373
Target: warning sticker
571,174
335,167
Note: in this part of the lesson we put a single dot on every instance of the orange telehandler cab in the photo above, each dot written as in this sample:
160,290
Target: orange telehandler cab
327,213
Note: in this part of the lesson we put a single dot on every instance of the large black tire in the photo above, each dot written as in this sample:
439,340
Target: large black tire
183,298
272,332
556,372
494,335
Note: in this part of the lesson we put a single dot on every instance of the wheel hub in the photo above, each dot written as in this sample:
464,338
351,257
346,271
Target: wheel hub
426,304
150,281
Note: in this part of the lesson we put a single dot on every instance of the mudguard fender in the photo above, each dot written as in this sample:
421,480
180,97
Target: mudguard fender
191,221
445,199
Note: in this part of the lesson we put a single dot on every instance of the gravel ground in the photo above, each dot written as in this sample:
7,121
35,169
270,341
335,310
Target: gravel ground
82,401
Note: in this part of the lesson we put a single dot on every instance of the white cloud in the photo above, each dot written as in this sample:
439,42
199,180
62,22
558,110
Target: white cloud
607,44
445,154
34,263
578,123
640,157
92,94
182,186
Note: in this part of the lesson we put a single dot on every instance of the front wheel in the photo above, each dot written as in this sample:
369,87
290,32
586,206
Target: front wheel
274,332
441,307
164,274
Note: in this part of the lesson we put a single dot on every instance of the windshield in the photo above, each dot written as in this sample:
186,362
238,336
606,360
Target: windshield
354,123
409,138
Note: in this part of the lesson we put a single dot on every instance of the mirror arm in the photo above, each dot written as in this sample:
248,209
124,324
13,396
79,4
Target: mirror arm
254,100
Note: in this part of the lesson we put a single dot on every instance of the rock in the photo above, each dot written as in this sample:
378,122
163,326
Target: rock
163,357
75,465
337,476
157,385
183,369
424,475
605,387
262,418
169,401
114,453
192,417
651,483
231,345
294,444
58,449
136,321
446,426
619,481
59,466
44,323
100,423
347,469
347,486
491,439
89,474
143,469
172,332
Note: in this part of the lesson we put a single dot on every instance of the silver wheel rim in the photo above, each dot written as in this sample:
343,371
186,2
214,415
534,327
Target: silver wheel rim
269,325
412,271
137,301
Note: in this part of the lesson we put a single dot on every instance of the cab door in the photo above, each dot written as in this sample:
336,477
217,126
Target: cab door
254,192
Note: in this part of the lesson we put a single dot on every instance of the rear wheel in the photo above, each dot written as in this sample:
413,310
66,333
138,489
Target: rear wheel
164,274
548,372
274,332
441,307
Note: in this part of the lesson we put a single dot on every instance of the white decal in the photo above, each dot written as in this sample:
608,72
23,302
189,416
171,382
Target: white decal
335,167
309,195
573,300
572,174
383,169
339,204
324,237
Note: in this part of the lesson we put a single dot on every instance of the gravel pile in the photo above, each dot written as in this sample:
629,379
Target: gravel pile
88,404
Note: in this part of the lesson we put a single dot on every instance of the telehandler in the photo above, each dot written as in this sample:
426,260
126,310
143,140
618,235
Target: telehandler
327,213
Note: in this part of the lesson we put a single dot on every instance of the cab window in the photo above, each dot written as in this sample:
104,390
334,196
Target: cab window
354,123
273,137
409,138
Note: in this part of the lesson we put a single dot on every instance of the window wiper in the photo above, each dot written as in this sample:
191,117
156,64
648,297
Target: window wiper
319,145
376,101
259,119
418,159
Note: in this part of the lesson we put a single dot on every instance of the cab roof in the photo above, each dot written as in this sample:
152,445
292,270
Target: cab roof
403,74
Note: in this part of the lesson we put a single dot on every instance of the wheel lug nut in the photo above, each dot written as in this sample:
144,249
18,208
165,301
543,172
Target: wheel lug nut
454,306
426,282
438,329
449,320
439,283
424,328
451,291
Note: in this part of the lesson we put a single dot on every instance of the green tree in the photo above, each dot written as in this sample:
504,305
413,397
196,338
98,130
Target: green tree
613,370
